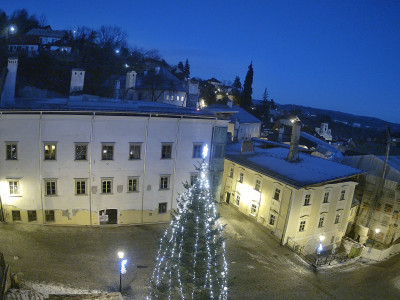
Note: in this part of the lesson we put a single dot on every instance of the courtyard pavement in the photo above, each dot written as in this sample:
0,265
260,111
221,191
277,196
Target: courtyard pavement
52,259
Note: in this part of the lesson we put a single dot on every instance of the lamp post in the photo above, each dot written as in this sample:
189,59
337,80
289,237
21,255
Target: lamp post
320,247
376,232
122,268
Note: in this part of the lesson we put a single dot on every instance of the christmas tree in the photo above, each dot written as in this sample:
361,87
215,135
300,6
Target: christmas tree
191,261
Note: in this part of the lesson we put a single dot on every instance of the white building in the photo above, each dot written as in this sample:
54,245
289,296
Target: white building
83,161
324,131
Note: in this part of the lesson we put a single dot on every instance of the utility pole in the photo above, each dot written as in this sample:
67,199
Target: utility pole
379,187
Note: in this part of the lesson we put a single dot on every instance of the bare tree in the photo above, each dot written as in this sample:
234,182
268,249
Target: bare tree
111,37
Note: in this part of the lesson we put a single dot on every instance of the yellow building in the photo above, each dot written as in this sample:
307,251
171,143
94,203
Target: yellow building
304,202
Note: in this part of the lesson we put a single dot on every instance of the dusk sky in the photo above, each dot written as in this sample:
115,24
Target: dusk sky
339,55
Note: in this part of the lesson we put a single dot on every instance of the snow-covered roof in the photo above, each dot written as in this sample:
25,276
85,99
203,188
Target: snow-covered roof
95,103
322,146
47,32
237,113
308,171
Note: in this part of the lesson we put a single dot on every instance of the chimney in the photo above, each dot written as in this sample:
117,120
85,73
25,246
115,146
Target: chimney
247,146
8,94
229,103
294,142
116,90
130,80
77,82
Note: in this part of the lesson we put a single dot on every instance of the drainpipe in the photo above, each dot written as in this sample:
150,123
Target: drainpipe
176,152
144,165
283,239
40,167
90,168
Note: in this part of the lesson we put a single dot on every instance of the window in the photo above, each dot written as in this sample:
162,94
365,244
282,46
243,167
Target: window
49,215
237,200
14,187
321,222
80,151
16,215
107,152
302,226
276,194
106,186
32,216
257,187
134,151
326,197
337,218
241,177
231,172
80,186
342,194
167,97
272,220
218,151
166,151
193,178
197,150
164,182
51,187
307,199
50,151
11,151
162,208
132,184
253,210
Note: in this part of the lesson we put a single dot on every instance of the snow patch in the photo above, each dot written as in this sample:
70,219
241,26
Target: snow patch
46,288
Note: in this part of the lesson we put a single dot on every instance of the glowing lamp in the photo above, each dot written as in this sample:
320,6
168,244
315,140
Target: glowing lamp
377,230
121,254
205,151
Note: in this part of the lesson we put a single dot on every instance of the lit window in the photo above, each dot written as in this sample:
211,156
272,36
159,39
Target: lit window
14,187
272,220
241,177
80,151
321,222
257,187
231,172
326,197
276,194
337,218
80,187
106,186
307,199
193,178
32,216
166,151
167,97
253,210
302,226
107,152
11,150
164,182
132,184
134,151
162,208
197,150
50,151
51,187
237,200
16,215
49,215
342,194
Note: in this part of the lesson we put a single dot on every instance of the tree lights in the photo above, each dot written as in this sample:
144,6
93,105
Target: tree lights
191,261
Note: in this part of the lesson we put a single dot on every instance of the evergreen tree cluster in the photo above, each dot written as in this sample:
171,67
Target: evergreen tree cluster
191,261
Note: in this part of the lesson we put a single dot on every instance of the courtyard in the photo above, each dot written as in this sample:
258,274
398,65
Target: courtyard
66,259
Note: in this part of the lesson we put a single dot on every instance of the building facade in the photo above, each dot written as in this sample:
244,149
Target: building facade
293,205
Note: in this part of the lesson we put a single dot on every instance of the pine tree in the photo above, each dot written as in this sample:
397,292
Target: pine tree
246,99
186,69
236,90
191,260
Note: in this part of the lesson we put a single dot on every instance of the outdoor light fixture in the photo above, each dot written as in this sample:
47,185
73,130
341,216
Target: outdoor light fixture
122,269
117,51
205,151
121,254
321,238
377,230
12,29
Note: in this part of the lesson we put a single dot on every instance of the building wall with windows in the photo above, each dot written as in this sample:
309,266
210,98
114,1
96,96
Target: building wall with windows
92,169
301,214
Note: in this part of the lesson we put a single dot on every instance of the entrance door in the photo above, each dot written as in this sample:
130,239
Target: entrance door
228,197
112,216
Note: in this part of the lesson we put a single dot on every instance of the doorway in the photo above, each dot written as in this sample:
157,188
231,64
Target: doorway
228,197
108,216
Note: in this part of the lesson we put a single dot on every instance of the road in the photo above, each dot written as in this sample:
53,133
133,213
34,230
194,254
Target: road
259,267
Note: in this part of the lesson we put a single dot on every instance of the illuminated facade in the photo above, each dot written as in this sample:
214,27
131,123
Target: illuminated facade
301,201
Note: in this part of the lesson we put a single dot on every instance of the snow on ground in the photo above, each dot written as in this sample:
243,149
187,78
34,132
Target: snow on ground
50,288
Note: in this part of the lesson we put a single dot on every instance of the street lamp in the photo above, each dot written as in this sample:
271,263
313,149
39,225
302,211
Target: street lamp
122,268
320,247
377,230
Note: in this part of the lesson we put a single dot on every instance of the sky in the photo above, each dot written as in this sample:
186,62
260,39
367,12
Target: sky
341,55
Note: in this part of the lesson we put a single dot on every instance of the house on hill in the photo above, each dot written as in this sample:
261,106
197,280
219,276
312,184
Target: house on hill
305,202
47,35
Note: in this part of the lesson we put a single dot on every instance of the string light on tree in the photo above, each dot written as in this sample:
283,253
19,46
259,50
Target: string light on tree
191,261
